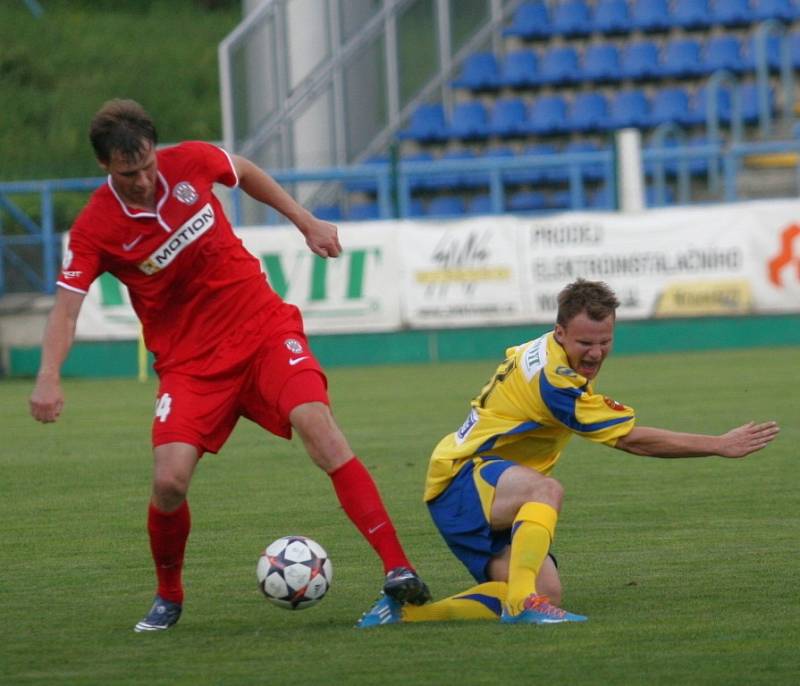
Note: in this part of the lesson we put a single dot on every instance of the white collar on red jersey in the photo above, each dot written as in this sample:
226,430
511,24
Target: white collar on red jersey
141,214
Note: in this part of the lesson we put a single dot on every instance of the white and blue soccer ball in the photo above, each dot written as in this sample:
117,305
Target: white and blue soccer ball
294,572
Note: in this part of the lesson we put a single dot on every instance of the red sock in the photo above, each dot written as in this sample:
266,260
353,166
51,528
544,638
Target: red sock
362,503
168,534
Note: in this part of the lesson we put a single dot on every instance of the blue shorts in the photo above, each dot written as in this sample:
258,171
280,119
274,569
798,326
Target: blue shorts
461,513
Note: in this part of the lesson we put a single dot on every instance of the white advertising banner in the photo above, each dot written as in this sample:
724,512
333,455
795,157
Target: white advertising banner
664,263
461,273
359,291
674,262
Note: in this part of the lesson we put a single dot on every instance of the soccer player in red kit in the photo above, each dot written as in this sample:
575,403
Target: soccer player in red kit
225,344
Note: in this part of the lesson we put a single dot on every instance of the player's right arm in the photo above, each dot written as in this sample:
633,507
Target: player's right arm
739,442
47,398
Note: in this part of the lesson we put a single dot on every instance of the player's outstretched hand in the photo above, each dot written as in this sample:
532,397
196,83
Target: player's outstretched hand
46,401
322,238
747,438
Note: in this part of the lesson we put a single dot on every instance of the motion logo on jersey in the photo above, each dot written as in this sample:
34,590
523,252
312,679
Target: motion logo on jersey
187,234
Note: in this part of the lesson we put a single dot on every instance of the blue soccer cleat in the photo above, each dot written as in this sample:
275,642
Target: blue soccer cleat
403,585
538,610
384,611
162,615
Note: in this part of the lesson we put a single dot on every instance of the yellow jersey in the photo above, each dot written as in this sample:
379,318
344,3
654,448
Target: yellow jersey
526,413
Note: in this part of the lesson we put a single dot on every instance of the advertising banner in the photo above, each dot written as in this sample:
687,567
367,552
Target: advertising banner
464,273
359,291
673,262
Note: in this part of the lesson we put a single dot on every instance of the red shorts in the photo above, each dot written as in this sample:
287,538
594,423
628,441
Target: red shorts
261,371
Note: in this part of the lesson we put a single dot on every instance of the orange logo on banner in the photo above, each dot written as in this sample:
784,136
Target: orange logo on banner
786,255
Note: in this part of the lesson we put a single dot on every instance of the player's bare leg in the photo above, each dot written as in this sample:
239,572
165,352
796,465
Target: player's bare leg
359,497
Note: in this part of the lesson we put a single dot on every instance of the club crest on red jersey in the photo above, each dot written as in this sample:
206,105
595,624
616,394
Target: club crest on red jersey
293,345
186,193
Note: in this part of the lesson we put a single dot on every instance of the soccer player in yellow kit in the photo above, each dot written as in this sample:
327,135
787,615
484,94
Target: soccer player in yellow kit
489,488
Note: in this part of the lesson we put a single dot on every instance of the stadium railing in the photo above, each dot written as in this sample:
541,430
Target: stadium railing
395,184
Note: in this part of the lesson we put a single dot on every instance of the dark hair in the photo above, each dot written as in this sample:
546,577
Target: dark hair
121,126
593,297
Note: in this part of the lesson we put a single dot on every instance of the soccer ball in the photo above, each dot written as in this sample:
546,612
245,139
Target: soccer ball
294,572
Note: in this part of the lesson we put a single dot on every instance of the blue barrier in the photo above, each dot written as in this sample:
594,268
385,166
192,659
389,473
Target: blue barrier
393,185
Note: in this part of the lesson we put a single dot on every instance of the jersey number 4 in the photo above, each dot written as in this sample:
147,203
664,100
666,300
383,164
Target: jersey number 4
163,407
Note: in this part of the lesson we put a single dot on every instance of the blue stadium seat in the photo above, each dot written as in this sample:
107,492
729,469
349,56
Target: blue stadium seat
559,200
533,175
363,211
651,16
611,17
480,72
588,112
670,105
782,10
453,180
418,182
600,199
520,69
794,42
470,121
749,61
699,106
498,152
509,118
724,52
640,61
748,97
682,58
446,206
732,13
479,204
696,166
691,15
526,201
652,199
629,108
699,166
559,65
601,63
572,18
328,213
466,179
531,21
415,208
548,115
590,171
427,125
367,185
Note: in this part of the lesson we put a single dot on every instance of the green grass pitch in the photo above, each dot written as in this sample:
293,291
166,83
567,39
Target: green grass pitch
687,569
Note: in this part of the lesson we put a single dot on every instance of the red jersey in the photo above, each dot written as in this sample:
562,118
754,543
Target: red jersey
190,278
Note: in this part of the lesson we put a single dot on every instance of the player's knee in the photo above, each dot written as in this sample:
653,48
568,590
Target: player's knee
547,490
169,490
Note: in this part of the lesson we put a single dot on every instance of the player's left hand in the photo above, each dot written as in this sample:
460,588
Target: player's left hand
747,438
322,238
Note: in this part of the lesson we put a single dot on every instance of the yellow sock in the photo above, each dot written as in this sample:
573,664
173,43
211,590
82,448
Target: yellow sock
483,601
532,535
